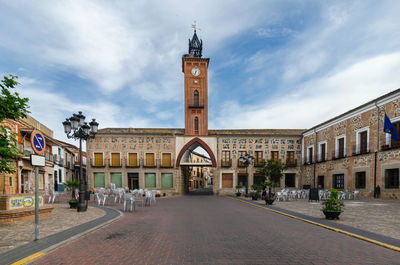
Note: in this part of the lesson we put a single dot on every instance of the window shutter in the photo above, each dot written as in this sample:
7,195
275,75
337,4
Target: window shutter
115,159
149,159
132,159
98,159
166,160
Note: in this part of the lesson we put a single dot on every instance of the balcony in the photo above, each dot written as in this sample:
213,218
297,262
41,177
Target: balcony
92,162
116,165
308,162
60,161
291,162
389,147
338,155
240,164
226,163
167,164
258,163
360,150
151,164
198,104
135,164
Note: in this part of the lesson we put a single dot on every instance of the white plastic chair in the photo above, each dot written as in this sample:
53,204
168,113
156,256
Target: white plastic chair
118,194
150,198
355,194
138,197
279,196
52,196
101,196
129,198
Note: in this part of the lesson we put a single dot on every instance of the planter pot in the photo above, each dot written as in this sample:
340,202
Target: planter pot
269,201
238,194
73,204
254,198
331,214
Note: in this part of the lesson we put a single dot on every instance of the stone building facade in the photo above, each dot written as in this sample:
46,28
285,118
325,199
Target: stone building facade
352,152
338,153
23,180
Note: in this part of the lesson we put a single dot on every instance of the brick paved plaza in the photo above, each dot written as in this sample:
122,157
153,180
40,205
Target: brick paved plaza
215,230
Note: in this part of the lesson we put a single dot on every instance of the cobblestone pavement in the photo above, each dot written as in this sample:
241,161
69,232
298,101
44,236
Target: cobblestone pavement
62,218
215,230
380,216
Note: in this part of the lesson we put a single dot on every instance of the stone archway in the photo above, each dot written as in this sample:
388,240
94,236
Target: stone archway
190,146
184,162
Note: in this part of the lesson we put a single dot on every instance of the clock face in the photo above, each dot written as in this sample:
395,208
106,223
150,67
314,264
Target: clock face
195,71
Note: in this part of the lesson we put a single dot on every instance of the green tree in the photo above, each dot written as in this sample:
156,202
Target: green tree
72,185
272,172
13,107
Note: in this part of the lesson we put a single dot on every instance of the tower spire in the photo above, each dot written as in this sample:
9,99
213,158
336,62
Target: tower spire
195,45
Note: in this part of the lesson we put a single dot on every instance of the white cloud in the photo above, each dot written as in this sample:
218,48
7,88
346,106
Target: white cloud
319,99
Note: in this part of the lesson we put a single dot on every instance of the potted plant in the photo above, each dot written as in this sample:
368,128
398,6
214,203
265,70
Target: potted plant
270,198
255,194
332,207
72,185
272,171
238,193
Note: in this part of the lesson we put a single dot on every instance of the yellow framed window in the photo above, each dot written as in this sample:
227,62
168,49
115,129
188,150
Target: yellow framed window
115,159
98,159
150,159
132,160
166,159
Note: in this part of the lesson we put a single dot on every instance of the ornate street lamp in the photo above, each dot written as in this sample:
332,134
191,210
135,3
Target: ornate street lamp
246,160
76,128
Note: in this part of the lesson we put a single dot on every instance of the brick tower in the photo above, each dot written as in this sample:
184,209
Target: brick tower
196,92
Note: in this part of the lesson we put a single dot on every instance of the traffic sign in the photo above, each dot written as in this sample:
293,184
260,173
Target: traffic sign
38,142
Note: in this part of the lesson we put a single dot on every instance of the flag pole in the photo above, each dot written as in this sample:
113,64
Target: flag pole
377,148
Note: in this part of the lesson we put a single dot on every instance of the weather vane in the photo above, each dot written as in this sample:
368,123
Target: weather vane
194,26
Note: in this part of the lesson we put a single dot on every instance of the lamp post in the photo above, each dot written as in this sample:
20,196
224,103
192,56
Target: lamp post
76,128
246,160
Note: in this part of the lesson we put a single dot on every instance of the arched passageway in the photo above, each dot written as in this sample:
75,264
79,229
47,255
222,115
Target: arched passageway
196,161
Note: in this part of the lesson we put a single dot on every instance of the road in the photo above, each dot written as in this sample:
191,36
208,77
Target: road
200,229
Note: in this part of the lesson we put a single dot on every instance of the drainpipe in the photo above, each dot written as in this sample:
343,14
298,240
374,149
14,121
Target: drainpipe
377,148
314,157
301,162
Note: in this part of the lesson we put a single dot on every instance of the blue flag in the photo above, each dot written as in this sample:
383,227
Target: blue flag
389,128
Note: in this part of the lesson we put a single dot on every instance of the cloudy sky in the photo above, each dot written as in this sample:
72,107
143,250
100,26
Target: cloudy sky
273,64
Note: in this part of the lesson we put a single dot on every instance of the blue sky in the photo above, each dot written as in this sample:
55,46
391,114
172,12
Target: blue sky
274,64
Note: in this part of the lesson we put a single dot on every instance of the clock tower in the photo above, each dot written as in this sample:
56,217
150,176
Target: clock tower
195,69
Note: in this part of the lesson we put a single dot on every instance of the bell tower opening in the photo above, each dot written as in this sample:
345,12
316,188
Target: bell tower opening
195,68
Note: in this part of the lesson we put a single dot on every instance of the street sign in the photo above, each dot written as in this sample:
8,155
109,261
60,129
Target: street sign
38,142
38,161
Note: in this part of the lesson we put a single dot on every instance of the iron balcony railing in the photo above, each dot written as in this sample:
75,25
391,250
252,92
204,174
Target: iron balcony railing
360,149
391,146
196,104
291,162
226,163
167,164
338,155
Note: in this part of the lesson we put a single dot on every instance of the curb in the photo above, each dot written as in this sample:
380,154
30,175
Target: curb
370,240
29,252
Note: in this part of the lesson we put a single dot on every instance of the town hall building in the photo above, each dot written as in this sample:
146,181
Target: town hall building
331,154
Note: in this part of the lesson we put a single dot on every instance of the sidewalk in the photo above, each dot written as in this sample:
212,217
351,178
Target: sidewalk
378,216
17,241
